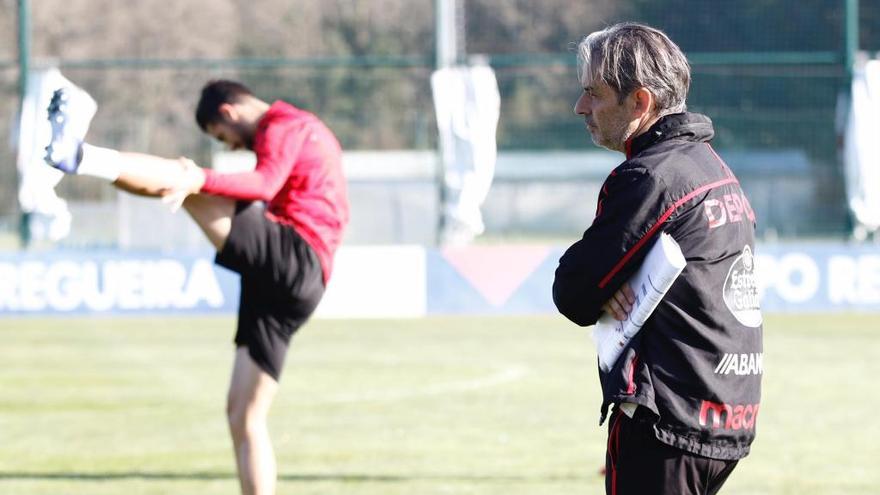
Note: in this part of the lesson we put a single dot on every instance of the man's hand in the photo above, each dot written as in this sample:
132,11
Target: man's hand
191,180
620,303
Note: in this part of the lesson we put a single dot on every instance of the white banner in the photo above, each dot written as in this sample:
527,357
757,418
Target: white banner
861,153
377,282
467,106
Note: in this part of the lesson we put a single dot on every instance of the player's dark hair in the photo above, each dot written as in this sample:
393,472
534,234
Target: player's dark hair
214,94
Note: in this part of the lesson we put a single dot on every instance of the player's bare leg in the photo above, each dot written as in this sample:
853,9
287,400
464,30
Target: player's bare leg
70,113
213,214
149,175
251,392
146,175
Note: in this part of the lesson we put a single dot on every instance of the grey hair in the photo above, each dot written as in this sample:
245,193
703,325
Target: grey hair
628,56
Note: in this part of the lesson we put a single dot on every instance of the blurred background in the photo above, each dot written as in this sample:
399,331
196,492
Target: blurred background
430,368
770,73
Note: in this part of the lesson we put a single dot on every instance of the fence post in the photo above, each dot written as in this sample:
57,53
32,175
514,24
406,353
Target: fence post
24,62
851,36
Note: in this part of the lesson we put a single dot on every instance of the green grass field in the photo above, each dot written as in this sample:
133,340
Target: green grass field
435,406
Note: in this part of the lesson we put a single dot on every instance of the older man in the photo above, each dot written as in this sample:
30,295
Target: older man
686,390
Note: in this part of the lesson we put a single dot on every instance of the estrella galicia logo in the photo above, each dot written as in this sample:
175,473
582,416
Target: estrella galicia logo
741,290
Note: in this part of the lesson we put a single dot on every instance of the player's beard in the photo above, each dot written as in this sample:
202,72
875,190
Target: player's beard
246,135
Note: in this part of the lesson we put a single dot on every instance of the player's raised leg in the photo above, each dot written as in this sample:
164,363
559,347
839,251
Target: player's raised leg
70,113
251,391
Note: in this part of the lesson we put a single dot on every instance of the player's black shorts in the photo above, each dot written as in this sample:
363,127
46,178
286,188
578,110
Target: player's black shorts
636,463
281,283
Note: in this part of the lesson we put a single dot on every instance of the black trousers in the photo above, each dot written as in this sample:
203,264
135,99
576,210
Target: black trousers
636,463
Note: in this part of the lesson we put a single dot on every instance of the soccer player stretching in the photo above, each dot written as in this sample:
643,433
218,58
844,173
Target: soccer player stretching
278,226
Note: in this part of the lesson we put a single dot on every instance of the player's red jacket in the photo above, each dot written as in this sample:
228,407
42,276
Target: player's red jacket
698,360
298,174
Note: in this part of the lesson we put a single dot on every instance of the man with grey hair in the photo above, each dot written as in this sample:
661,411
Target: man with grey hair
686,389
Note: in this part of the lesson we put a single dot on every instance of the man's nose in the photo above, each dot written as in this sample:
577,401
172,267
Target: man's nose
581,106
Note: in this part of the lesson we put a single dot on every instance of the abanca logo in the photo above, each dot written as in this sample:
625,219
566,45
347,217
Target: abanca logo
741,290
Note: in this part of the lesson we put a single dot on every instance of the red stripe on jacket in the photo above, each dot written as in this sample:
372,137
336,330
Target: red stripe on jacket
653,230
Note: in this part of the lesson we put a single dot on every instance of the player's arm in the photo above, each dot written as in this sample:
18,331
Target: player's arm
591,273
276,154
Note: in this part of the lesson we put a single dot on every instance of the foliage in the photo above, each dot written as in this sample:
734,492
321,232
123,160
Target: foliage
376,106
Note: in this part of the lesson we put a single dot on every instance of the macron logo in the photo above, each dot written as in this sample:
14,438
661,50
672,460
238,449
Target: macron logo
735,417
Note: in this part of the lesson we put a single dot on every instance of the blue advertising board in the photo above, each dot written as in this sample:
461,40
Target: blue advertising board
514,279
112,282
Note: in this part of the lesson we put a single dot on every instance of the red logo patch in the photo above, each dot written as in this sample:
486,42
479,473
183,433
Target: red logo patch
732,417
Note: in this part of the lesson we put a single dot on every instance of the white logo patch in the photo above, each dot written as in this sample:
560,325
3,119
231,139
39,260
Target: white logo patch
741,290
741,364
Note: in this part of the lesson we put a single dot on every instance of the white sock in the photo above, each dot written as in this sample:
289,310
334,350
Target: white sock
99,162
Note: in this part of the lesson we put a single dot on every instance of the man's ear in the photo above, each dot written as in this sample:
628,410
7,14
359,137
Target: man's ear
228,112
643,102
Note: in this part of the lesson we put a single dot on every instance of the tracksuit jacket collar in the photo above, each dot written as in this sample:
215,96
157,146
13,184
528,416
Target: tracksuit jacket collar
687,126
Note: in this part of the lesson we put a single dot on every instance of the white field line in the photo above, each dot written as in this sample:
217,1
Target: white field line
507,375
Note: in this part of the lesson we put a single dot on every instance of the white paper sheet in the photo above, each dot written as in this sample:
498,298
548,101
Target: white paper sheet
650,283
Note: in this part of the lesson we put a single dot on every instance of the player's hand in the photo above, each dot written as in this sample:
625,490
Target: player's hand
191,180
174,199
193,175
621,303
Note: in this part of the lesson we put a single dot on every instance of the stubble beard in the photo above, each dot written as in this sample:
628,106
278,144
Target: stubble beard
613,139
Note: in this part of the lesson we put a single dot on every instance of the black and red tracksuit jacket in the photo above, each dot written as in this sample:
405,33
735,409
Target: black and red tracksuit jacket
698,360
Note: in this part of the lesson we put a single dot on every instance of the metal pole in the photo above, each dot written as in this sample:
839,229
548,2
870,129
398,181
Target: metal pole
445,33
444,49
438,15
851,36
460,26
24,63
24,45
850,51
